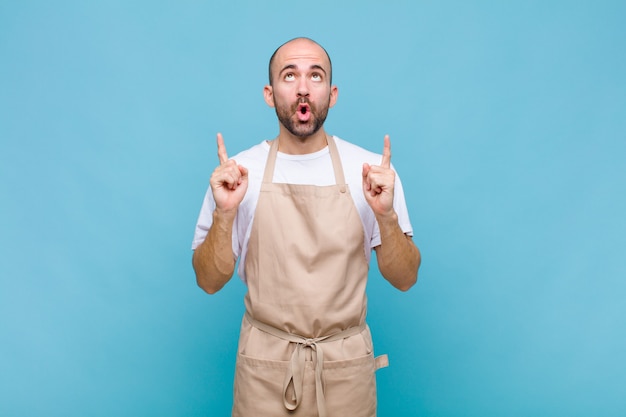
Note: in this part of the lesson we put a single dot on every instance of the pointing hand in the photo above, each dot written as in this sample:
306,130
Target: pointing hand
229,180
378,182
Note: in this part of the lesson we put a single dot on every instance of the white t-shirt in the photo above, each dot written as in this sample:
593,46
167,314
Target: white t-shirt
315,169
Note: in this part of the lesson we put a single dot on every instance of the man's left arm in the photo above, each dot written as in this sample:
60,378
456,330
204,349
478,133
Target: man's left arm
398,257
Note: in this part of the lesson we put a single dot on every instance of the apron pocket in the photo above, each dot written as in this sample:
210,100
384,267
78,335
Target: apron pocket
259,389
351,387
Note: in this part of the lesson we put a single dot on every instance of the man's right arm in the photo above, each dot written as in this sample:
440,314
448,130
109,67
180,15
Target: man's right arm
213,259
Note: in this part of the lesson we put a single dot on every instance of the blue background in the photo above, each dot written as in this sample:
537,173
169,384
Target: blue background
508,128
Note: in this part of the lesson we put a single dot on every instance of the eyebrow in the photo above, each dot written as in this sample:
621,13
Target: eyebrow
294,66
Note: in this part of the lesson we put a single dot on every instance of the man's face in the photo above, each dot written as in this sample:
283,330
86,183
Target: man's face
301,92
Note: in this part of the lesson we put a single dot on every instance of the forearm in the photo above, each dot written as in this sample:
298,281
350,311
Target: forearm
398,257
213,260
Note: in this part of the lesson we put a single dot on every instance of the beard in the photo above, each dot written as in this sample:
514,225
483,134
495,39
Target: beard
286,116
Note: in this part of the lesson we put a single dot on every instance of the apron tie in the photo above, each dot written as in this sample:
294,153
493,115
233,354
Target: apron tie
295,369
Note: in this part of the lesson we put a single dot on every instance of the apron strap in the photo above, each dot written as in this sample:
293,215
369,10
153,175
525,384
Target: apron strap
337,167
268,175
296,366
382,361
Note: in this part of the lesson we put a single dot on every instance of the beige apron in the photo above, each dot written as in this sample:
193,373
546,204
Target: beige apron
304,347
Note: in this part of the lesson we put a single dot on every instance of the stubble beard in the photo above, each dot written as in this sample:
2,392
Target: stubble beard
297,128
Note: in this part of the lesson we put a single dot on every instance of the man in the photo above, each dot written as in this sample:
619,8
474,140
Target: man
302,213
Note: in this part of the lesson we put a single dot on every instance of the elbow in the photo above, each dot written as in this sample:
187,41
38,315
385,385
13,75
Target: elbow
208,286
203,278
209,290
403,278
411,279
402,281
406,285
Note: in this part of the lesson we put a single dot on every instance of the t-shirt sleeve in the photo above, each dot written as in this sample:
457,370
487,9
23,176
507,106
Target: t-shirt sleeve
399,204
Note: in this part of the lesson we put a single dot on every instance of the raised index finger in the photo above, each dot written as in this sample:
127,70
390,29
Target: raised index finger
221,149
386,161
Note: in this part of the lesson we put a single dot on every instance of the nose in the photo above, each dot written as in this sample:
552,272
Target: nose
303,88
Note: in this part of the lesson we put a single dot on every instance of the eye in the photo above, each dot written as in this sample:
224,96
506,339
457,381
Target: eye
316,77
289,77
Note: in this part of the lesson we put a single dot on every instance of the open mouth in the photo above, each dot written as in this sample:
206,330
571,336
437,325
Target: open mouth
303,112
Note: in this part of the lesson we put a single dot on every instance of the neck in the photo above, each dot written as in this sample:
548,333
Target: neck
295,145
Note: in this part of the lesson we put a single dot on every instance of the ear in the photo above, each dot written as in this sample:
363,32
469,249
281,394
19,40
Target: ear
268,95
334,93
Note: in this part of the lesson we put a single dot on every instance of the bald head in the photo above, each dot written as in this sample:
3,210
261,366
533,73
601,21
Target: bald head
294,44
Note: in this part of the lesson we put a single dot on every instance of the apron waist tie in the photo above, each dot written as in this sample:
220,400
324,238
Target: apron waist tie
296,366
